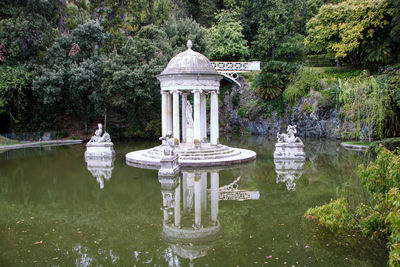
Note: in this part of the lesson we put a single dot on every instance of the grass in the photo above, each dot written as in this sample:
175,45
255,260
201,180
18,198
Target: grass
9,141
358,143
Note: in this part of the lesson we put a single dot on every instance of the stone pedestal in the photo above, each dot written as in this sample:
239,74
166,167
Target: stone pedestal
289,151
102,149
169,166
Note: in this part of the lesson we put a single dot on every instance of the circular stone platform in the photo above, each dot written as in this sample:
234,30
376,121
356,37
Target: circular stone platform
207,155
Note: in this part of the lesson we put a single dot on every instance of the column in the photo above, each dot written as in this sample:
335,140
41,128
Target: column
214,184
204,192
203,117
184,121
197,116
178,206
184,192
197,201
175,117
214,131
169,112
164,112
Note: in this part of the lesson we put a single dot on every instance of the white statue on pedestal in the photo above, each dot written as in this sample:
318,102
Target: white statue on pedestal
168,144
290,136
99,137
289,146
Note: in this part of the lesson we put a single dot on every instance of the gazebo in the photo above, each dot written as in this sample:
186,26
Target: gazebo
188,73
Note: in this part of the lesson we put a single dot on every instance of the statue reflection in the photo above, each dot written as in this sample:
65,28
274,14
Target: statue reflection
100,168
288,171
190,210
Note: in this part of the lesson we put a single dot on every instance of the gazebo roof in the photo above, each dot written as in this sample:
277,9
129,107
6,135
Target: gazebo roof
189,62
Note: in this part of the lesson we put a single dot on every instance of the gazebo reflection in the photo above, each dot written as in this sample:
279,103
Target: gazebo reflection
190,210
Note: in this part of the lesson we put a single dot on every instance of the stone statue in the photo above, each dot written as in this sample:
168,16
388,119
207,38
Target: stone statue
290,136
168,144
189,111
99,137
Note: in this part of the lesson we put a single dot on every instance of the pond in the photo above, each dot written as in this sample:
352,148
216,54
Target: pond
57,211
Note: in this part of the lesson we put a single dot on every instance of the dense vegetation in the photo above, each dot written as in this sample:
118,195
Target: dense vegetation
66,64
378,218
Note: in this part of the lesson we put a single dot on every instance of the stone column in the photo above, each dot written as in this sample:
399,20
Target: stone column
214,183
175,117
214,125
169,112
164,112
204,191
197,118
178,206
197,201
203,117
184,121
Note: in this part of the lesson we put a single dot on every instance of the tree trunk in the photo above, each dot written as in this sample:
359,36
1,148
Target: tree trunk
123,15
61,22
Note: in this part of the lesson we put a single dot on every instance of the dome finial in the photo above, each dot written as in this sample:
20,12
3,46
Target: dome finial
189,44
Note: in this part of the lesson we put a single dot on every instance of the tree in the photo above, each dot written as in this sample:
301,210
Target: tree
129,80
179,31
26,28
72,73
278,34
347,29
226,39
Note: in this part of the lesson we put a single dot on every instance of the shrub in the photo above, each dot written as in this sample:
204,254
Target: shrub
62,134
273,78
334,216
307,108
306,80
389,143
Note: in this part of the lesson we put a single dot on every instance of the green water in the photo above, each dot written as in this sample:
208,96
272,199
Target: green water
53,211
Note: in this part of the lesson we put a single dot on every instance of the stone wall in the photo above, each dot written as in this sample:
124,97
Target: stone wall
310,118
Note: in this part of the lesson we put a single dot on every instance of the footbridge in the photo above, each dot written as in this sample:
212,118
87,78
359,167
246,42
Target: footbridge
231,70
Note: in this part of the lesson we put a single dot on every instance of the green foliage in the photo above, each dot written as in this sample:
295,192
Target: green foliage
15,91
67,82
345,30
368,102
334,216
179,31
62,134
25,28
383,174
226,39
279,26
129,78
305,81
393,203
273,78
382,180
258,107
389,143
307,108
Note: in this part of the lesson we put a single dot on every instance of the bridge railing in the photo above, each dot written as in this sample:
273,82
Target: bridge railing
236,66
20,138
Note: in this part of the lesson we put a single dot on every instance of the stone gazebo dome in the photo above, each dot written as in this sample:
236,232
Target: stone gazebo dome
189,70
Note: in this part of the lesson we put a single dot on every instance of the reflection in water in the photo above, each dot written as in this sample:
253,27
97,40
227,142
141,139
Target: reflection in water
100,168
190,211
288,171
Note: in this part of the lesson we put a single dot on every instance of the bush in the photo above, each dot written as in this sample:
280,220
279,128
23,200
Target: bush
389,143
380,178
306,80
62,134
334,216
273,78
